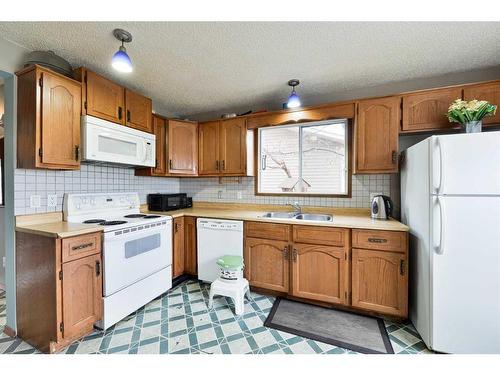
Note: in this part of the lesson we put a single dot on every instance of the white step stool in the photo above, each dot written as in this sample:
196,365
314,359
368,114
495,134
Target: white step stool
235,290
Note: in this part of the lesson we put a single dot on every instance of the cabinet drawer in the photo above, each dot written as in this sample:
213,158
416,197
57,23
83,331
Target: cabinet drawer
80,246
320,235
269,231
380,240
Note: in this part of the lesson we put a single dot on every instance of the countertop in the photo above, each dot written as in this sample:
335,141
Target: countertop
52,224
344,218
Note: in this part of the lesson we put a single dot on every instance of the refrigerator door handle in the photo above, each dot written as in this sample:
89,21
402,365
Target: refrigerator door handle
439,247
438,188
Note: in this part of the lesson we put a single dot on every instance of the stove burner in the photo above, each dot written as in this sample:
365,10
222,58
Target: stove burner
151,216
94,221
113,222
132,216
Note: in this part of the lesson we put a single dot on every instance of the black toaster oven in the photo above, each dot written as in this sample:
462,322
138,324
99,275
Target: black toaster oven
168,202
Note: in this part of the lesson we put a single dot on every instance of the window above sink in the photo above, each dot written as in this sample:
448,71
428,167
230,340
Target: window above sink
310,159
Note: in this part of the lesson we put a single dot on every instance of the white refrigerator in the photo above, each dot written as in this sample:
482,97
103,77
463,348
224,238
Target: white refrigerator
450,199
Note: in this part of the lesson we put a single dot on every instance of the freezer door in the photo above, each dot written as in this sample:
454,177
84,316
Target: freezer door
465,164
465,274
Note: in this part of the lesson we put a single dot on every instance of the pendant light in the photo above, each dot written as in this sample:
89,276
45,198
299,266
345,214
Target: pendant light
293,99
121,61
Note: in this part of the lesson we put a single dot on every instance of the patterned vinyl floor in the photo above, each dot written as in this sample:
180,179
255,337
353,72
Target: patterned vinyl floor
180,323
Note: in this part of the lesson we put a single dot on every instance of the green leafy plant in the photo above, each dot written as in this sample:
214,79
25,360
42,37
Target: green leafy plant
462,111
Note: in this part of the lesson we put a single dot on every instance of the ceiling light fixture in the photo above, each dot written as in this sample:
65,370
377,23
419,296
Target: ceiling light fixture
121,61
293,99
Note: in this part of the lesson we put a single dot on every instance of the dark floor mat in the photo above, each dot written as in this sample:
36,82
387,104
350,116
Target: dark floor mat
347,330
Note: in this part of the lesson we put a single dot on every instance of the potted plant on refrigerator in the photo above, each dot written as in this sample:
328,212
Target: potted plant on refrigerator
470,114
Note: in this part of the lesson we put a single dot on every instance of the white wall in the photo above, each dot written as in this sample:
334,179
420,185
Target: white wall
11,57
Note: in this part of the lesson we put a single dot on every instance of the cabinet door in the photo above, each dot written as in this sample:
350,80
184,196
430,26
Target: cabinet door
105,99
426,111
266,263
160,131
182,147
178,248
232,146
377,130
138,111
489,92
60,121
320,273
81,295
209,148
380,281
191,261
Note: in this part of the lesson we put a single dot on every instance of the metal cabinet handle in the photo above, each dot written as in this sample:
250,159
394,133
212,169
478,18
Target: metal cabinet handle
128,115
294,255
217,165
82,246
77,152
223,165
120,113
394,157
377,240
97,267
170,164
285,252
402,267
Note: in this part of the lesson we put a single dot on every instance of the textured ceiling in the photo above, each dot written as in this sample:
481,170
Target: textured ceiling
193,68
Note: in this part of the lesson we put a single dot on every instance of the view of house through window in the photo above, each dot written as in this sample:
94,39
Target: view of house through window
304,159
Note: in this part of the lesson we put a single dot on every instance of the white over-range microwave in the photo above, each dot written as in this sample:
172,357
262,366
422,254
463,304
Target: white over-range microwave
106,142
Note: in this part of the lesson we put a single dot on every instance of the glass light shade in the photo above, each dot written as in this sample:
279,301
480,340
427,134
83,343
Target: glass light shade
293,100
121,61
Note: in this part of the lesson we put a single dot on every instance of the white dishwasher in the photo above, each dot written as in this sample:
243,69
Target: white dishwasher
215,239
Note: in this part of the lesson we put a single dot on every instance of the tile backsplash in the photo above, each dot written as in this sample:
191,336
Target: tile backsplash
241,190
89,179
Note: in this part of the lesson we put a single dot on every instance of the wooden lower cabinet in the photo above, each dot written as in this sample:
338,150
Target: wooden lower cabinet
58,298
267,263
380,281
178,254
81,294
190,260
320,273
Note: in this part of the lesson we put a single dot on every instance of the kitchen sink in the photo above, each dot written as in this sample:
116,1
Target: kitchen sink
295,216
279,215
314,217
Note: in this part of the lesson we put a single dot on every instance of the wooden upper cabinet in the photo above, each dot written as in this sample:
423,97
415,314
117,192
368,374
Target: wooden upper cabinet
232,146
160,132
49,106
209,148
489,92
319,113
266,263
138,111
377,131
320,273
182,147
103,98
427,110
380,281
81,295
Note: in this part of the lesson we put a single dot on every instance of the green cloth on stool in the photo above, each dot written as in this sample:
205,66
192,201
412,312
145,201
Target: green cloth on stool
230,261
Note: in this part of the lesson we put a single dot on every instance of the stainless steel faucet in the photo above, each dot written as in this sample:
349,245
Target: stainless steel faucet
296,206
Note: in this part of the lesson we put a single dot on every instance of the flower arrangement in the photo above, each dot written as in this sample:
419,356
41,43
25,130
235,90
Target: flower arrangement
463,112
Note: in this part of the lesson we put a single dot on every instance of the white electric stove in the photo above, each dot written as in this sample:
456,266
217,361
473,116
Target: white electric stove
137,250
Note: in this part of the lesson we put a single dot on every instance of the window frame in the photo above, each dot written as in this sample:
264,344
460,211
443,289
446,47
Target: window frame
349,144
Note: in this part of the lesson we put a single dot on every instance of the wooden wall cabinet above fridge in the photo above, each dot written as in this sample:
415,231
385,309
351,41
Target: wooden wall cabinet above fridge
48,120
225,148
176,148
107,100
